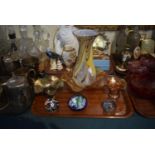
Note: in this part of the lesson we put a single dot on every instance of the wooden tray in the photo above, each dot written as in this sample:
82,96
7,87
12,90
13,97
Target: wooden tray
94,109
144,107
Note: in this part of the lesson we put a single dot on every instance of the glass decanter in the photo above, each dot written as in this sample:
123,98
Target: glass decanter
13,54
34,51
25,43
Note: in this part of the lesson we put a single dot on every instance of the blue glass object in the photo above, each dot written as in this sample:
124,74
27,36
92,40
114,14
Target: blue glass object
77,102
109,106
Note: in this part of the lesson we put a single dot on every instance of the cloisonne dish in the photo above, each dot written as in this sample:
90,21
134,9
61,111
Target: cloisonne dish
77,102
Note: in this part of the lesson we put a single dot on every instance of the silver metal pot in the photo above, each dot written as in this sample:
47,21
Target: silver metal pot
18,94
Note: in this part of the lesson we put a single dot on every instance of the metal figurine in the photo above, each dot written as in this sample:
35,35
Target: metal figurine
51,104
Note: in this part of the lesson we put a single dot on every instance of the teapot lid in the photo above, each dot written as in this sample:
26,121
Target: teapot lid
7,59
15,81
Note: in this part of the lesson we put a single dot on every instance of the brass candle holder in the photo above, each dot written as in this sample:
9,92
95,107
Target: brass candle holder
114,86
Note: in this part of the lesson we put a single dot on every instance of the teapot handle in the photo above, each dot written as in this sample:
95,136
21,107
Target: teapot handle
31,75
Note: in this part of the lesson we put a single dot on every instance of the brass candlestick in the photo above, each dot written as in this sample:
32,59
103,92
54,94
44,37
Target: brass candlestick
114,87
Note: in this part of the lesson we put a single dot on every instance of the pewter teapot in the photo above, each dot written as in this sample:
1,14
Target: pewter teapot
18,94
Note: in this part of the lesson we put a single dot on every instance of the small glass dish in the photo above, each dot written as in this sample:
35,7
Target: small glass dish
109,105
77,102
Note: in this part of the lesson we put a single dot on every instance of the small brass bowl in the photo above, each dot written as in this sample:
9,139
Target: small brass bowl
48,85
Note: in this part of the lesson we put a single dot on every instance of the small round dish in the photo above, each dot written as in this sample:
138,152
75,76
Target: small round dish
109,105
77,102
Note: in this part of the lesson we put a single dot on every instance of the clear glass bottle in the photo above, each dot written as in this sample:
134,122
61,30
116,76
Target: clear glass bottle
12,37
37,32
34,51
13,54
25,43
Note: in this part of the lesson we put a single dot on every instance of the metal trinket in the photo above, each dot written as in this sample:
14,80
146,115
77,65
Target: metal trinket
51,105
